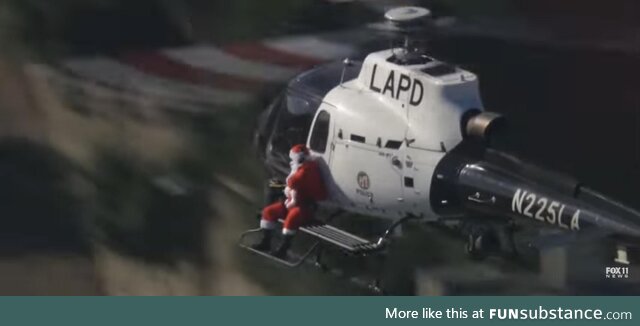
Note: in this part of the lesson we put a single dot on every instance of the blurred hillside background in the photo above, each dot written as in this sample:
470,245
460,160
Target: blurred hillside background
120,177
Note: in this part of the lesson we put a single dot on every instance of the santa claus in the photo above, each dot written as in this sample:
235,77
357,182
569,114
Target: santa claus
304,188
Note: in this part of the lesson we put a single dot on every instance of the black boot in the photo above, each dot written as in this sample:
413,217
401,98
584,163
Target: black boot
282,250
265,243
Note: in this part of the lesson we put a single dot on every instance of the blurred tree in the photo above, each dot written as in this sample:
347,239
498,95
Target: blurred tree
49,28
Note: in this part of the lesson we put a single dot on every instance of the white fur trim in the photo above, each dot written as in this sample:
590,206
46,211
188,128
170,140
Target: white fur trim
289,232
296,157
268,225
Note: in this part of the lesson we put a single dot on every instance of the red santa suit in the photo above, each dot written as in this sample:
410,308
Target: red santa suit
305,187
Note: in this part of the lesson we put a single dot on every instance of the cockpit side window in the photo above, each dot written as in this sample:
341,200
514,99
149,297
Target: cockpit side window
320,133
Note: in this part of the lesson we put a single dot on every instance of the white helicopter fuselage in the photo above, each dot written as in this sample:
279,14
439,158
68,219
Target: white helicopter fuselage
381,135
402,135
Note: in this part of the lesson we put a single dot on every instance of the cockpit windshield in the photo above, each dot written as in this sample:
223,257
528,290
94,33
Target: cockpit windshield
290,117
295,115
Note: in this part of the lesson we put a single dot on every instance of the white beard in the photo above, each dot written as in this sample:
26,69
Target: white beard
294,168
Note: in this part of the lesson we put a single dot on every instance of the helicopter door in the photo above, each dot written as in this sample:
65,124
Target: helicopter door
321,137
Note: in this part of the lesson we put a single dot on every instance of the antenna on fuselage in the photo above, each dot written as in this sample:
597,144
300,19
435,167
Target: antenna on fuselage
346,63
412,23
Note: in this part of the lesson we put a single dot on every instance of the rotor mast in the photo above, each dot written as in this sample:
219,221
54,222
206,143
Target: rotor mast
411,23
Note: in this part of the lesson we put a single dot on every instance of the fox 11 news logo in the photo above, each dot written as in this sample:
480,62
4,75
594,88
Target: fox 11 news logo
616,272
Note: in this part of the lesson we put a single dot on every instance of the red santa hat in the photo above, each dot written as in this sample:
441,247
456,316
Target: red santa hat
299,153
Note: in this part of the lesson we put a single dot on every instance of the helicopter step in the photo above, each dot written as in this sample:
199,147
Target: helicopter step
325,237
340,238
322,233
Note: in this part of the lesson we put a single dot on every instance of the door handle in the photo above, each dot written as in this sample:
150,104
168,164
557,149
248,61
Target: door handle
477,199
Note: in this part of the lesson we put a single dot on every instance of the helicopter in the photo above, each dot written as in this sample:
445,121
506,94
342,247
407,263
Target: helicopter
403,136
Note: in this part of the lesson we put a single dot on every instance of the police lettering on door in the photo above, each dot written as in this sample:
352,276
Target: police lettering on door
397,83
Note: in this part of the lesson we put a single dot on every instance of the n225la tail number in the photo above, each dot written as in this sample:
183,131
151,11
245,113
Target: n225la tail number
543,209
